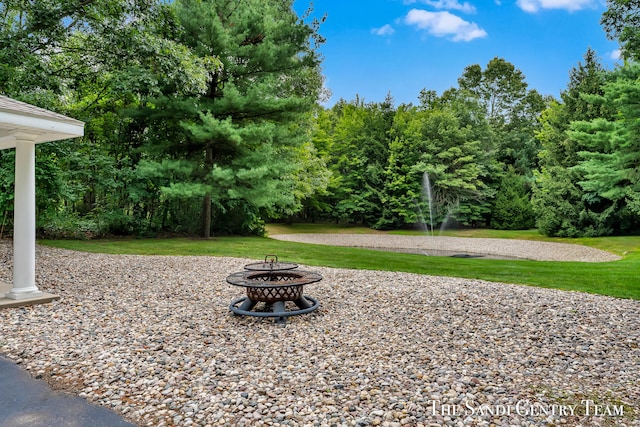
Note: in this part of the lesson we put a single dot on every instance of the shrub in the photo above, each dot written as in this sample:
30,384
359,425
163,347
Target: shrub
512,209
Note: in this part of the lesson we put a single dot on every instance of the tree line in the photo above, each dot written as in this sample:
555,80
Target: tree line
203,117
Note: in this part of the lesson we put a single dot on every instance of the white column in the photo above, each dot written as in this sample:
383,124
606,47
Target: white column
24,223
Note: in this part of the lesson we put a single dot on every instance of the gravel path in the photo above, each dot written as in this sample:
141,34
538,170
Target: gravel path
526,249
152,338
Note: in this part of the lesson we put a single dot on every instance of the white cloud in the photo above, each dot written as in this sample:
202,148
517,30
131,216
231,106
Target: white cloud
615,55
452,5
385,30
446,4
443,24
533,6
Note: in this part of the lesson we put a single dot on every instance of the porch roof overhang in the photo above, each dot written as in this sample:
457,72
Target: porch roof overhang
44,125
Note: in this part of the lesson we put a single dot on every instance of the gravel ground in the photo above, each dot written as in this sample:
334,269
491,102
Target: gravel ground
153,338
526,249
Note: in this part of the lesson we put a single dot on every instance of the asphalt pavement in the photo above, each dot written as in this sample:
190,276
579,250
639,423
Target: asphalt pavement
29,402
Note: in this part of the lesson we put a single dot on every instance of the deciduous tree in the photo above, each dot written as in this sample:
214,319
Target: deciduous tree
621,21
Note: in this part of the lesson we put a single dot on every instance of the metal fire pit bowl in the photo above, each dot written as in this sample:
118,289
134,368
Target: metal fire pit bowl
274,287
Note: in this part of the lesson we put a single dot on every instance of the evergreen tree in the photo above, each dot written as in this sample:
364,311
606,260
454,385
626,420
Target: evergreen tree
610,162
512,209
559,203
181,100
238,146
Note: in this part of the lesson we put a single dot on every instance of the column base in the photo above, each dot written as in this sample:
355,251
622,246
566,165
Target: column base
10,298
23,295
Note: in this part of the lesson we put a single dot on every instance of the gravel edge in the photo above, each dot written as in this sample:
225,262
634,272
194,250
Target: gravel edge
524,249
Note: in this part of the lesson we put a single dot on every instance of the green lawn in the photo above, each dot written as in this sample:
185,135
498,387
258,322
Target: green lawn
618,279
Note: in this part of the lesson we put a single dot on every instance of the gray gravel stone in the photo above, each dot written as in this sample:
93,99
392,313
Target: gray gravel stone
526,249
153,338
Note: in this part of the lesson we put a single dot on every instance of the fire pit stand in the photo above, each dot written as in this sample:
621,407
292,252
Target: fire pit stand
273,283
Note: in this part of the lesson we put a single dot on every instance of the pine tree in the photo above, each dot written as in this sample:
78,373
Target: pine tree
610,162
512,208
238,147
559,203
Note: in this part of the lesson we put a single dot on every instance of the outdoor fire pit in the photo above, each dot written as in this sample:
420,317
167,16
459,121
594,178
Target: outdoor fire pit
273,283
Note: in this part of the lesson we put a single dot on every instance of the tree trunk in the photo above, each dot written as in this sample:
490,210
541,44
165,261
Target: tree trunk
206,201
206,216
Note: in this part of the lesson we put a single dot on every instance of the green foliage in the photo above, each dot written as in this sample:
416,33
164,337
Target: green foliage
561,204
7,168
97,62
433,142
557,204
620,21
202,117
356,140
587,78
511,110
65,226
499,87
349,159
239,146
609,162
512,208
183,101
463,139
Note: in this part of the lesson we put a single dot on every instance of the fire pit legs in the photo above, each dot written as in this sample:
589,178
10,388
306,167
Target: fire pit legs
302,303
277,309
247,305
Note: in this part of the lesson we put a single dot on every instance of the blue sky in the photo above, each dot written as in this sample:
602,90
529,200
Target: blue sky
402,46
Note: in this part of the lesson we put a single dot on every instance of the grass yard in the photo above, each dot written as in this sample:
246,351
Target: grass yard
618,279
